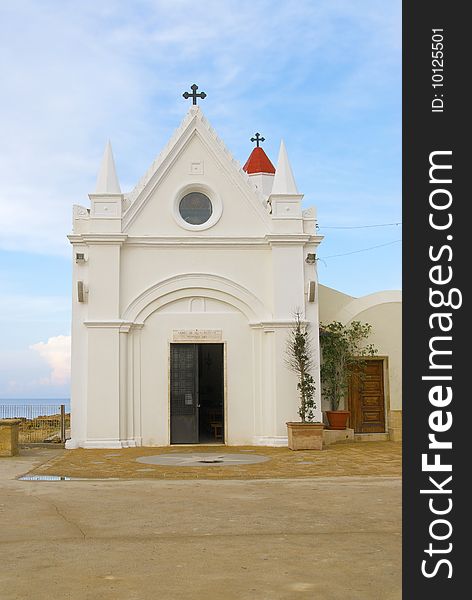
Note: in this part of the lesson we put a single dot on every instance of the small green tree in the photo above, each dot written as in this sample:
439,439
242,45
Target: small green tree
300,360
343,350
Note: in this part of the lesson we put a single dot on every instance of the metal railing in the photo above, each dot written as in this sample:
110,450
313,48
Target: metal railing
45,423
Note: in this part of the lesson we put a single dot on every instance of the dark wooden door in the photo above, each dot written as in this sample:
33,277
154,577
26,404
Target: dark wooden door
367,400
184,394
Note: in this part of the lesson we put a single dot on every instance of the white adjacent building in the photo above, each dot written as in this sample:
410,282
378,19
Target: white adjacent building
184,293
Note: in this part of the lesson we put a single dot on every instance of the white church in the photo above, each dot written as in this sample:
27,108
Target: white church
184,292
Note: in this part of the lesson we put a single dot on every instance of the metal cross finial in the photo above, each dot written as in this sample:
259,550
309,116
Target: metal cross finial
194,94
258,139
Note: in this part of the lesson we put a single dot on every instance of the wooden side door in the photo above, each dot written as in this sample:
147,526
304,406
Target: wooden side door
367,399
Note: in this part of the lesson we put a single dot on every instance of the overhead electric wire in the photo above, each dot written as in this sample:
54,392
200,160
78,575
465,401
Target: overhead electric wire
361,250
358,226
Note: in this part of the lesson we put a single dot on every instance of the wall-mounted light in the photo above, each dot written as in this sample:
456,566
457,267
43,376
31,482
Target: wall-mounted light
310,259
80,291
311,291
80,257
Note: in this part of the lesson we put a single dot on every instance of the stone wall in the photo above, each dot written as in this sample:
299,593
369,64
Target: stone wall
395,425
9,437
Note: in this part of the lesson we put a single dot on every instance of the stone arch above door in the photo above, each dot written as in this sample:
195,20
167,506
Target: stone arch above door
196,285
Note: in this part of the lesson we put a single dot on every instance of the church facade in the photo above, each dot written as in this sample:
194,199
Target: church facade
184,294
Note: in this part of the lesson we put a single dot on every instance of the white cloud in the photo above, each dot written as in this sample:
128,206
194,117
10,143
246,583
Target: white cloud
117,70
56,352
83,72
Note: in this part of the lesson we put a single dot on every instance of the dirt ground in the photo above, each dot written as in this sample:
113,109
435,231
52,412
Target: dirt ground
279,538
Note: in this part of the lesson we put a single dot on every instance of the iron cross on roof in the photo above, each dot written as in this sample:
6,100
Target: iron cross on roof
194,94
258,139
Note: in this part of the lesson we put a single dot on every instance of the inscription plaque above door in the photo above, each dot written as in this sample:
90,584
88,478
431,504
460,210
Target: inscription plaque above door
193,335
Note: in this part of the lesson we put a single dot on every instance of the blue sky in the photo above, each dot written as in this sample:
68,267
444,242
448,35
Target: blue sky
323,75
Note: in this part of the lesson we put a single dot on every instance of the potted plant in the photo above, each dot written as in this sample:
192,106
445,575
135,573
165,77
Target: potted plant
306,434
343,351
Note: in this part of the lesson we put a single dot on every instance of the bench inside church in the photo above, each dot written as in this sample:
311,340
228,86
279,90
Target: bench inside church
210,393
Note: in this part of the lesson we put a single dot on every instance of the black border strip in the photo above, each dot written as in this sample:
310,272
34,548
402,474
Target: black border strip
426,246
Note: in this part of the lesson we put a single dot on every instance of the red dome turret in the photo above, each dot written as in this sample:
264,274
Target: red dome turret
258,162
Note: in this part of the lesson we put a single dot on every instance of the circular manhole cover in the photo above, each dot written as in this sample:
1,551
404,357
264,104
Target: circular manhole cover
202,459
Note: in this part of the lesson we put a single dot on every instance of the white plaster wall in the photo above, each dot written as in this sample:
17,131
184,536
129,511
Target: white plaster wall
382,310
263,181
104,281
286,396
142,267
331,302
287,268
313,319
126,391
79,352
103,392
238,216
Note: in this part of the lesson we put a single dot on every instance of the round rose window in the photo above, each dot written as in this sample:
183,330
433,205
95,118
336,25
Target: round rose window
195,208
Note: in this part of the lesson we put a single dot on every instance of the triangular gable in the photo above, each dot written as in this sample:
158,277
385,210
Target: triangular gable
193,124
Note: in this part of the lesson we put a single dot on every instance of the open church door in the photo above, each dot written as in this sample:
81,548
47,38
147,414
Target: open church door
184,394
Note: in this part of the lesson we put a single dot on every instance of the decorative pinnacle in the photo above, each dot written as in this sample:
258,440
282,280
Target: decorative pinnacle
194,94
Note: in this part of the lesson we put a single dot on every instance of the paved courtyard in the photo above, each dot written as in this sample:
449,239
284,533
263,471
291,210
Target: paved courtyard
283,532
361,458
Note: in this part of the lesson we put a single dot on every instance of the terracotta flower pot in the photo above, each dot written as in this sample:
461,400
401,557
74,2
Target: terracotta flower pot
305,436
337,419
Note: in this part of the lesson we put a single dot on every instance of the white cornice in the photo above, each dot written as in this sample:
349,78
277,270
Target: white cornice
289,239
123,326
104,196
283,239
126,326
202,242
98,238
278,324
